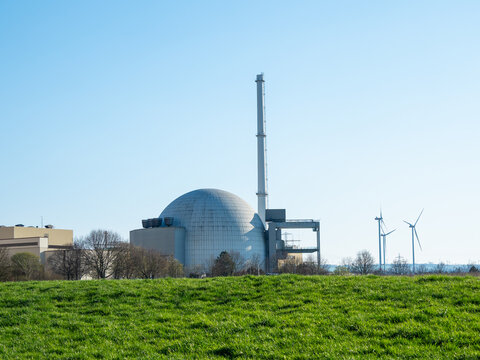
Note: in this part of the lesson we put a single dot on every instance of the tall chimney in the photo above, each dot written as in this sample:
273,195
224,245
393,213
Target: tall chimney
262,193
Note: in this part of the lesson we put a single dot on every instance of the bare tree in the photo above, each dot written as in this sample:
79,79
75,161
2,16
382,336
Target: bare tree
200,271
323,268
69,263
307,268
238,261
124,266
101,250
253,266
440,268
4,264
137,262
363,263
148,264
346,261
400,266
288,266
460,270
345,267
174,267
341,270
421,269
308,265
26,266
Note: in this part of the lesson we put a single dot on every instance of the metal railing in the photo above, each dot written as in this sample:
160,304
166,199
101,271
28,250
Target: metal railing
286,248
301,220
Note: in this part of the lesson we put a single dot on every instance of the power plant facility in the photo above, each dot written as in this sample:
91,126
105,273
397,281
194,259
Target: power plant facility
41,242
197,226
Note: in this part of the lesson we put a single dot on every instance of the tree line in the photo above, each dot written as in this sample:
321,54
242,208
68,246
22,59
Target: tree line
364,263
99,255
103,254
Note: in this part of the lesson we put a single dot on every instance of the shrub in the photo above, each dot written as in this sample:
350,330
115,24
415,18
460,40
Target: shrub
26,266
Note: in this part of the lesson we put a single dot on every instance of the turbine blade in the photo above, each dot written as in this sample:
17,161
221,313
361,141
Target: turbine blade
406,222
421,212
382,223
418,240
390,232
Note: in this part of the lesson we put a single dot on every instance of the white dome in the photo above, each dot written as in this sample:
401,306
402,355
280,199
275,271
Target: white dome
216,221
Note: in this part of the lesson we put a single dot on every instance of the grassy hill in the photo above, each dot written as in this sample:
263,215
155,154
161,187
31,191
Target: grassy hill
268,317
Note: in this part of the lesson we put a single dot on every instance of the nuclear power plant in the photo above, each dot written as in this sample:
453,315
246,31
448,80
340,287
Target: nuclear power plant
197,226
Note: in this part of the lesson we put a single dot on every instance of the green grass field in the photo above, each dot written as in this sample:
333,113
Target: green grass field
266,317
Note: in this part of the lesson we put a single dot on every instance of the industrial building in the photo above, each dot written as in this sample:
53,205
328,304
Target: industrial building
38,241
196,227
202,224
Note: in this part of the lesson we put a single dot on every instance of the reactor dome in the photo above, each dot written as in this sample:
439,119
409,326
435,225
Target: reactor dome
216,221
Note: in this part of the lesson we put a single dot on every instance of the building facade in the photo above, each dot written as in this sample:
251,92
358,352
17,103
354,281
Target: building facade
196,227
38,241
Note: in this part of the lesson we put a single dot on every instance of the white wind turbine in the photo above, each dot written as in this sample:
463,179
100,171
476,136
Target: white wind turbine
380,222
414,234
384,236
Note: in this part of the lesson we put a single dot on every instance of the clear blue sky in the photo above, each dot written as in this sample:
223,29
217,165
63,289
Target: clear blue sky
111,109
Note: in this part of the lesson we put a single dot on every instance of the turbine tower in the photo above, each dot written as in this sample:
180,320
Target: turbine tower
380,221
261,149
414,234
384,236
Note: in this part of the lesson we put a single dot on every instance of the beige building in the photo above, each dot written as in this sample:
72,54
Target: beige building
38,241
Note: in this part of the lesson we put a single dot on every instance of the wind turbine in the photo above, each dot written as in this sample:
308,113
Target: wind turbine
414,234
384,236
380,221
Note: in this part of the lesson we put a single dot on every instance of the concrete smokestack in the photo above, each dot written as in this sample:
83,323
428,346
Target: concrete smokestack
262,181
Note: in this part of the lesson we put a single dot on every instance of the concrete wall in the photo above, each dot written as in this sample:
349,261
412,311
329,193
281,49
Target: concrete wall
36,241
35,246
56,237
167,240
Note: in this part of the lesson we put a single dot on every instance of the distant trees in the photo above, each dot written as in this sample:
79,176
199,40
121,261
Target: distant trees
124,266
341,270
473,269
102,248
137,262
238,261
26,266
400,266
422,269
4,264
253,266
106,255
103,254
69,263
200,271
307,267
440,268
224,265
363,264
174,267
287,266
149,264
